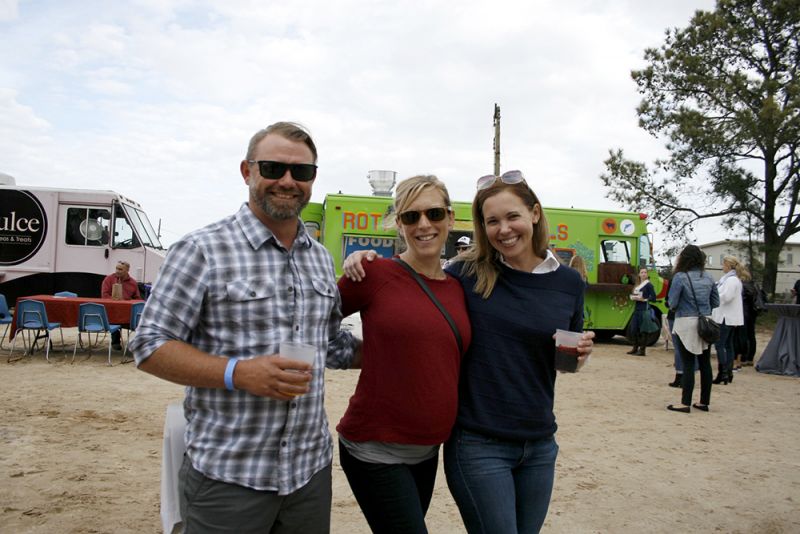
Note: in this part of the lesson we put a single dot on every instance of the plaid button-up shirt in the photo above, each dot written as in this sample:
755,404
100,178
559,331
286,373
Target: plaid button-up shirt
232,289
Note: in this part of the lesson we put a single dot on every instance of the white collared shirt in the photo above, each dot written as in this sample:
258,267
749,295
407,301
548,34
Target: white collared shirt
548,265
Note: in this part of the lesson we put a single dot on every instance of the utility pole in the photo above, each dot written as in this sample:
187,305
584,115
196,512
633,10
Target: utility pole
496,140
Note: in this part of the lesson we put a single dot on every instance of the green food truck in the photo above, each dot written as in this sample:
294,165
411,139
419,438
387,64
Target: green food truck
612,244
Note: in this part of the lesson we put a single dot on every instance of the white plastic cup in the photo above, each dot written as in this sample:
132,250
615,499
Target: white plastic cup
566,358
294,350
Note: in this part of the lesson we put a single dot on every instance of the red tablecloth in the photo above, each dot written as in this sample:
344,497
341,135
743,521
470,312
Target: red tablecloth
64,310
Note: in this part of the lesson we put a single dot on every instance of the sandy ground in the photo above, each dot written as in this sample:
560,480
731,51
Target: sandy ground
81,450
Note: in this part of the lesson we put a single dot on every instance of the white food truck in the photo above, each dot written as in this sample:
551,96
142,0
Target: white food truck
55,240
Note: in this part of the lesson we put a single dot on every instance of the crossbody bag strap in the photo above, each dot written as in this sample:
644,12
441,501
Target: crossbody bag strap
430,294
696,305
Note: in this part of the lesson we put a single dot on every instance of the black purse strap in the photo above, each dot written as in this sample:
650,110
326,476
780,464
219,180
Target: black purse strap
430,294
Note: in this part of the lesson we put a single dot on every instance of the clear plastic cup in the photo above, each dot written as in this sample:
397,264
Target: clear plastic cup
294,350
566,358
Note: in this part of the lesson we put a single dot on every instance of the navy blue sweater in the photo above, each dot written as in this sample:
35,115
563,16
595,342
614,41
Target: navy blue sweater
507,382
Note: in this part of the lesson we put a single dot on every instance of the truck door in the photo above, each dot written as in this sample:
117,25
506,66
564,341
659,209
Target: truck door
83,237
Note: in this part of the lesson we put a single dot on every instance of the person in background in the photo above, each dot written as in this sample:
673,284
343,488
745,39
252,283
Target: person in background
745,335
406,399
670,334
129,290
669,321
500,458
728,314
463,244
577,263
796,292
692,293
258,448
642,294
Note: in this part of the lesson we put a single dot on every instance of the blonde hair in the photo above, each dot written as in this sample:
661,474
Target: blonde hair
744,275
579,265
735,264
482,260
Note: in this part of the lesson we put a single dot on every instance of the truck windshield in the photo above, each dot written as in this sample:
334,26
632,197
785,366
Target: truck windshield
132,228
143,227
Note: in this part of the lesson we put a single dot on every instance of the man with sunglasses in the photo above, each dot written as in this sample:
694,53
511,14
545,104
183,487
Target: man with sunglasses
258,448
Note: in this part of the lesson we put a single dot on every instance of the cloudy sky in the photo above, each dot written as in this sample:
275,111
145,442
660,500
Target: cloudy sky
157,99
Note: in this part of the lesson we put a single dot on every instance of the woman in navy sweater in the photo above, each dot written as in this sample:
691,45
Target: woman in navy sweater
500,459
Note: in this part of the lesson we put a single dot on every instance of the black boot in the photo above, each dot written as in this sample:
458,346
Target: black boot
634,350
677,382
722,375
730,372
642,345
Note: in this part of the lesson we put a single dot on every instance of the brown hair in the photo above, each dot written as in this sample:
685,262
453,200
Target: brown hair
482,259
691,257
288,130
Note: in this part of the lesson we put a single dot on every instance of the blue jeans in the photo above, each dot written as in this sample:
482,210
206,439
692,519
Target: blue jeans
500,486
724,346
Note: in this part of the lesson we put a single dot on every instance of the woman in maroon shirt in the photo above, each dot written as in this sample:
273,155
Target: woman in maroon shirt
406,399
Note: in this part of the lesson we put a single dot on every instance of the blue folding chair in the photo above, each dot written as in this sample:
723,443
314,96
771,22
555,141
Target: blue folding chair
136,315
93,319
32,315
5,318
66,294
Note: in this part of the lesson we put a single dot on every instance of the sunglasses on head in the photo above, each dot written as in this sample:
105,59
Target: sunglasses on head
508,178
275,170
433,215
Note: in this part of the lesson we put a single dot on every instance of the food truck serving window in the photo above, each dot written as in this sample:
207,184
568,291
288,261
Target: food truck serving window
616,250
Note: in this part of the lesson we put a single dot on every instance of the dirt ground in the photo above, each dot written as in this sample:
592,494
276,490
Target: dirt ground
82,450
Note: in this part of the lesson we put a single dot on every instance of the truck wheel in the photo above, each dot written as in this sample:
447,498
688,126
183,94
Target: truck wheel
604,335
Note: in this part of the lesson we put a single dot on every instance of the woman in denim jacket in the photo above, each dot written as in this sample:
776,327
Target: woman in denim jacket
688,306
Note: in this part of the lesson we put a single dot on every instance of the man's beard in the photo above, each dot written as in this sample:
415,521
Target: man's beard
281,212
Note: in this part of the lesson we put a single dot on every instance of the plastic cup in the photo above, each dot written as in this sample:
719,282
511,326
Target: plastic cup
566,358
294,350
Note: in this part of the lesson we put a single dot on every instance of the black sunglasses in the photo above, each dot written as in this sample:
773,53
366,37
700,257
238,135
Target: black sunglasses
433,215
275,170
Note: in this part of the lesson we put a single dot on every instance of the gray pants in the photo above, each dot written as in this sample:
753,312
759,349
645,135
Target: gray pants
208,505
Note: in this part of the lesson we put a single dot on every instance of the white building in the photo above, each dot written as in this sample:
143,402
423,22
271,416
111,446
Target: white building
788,262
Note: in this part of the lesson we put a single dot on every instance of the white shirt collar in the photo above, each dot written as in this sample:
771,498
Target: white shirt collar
548,265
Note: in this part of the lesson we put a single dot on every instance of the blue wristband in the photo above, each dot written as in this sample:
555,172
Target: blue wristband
229,373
